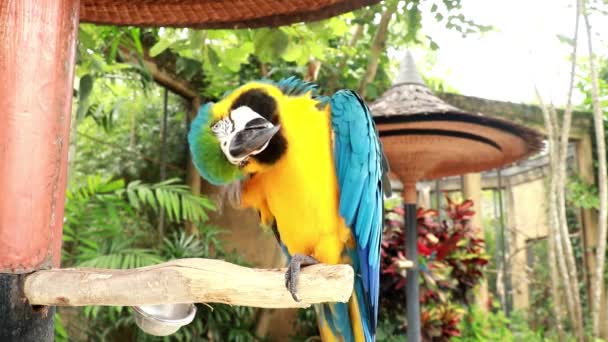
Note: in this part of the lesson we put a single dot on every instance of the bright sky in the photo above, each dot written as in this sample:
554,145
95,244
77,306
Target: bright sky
522,50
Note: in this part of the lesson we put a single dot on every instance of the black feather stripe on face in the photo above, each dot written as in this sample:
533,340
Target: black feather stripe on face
265,105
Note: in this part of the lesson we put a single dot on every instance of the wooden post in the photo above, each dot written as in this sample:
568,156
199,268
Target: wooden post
471,189
38,40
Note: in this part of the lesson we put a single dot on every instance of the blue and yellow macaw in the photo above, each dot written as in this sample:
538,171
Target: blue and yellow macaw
313,167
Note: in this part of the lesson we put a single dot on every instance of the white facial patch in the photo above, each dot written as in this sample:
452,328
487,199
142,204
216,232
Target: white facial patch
226,129
242,115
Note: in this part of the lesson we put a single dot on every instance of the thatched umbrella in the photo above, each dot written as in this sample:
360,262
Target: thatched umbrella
213,14
425,138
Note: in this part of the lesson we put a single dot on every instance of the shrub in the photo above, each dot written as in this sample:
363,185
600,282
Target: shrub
451,261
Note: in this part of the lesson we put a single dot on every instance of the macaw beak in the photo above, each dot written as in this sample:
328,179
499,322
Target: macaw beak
252,139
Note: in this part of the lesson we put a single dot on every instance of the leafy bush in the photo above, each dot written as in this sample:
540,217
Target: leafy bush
107,225
479,325
451,262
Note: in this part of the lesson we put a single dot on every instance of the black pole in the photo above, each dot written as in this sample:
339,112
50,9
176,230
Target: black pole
163,161
412,291
19,321
163,137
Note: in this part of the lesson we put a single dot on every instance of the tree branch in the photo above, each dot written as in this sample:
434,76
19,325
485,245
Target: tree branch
562,156
598,120
378,46
159,73
555,256
177,86
188,281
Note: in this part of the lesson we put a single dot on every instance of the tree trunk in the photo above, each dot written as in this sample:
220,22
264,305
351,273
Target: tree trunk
601,156
562,153
555,221
378,46
312,71
264,70
554,233
558,308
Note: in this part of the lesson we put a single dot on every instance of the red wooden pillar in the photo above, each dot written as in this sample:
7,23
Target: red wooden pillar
37,52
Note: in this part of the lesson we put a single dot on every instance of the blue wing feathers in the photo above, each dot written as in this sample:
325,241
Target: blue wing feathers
366,214
342,150
350,192
358,165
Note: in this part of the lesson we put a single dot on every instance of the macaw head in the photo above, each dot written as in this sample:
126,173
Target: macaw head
239,135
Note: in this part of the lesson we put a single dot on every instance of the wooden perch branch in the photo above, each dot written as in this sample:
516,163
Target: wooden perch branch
188,281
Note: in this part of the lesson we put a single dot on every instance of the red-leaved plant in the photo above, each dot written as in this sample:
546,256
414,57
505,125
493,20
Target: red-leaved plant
451,261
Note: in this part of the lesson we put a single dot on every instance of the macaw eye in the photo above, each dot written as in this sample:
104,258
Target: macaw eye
216,126
222,128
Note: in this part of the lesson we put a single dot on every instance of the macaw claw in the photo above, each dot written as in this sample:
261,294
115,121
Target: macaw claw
293,271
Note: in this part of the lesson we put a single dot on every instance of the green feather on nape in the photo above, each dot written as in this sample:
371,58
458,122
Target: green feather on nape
207,156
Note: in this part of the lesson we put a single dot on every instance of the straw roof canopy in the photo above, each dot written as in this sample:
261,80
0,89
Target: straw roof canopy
425,138
213,13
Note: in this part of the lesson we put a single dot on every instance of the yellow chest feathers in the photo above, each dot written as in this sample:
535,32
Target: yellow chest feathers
300,191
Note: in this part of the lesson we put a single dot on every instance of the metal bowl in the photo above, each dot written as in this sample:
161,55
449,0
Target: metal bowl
163,319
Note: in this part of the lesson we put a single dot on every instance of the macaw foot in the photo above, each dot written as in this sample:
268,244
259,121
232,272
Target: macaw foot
293,271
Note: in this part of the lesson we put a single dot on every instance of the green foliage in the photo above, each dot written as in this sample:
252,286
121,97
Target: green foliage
447,12
230,57
482,326
584,85
305,326
582,194
100,210
94,214
98,52
129,145
61,334
451,261
182,245
387,327
540,314
170,196
106,227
